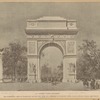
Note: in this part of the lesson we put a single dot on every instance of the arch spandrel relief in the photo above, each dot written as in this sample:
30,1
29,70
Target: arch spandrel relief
32,47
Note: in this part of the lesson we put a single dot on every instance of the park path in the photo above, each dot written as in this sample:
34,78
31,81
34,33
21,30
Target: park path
42,87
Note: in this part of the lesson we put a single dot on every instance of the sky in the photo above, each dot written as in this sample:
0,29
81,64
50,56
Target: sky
13,17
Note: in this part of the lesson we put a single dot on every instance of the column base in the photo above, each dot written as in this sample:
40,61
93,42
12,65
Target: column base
69,80
1,80
39,81
65,80
32,79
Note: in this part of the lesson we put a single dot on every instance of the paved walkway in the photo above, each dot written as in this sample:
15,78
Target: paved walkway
42,87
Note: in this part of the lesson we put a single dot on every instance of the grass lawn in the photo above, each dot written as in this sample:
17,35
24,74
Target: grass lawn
42,87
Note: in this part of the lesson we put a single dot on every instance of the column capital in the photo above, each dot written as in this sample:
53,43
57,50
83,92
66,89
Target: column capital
33,56
69,56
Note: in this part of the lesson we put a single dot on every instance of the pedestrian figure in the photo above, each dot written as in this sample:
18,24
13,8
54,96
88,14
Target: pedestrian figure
86,83
92,84
54,82
97,85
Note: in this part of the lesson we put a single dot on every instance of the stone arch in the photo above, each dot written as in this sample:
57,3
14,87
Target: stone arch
57,32
48,44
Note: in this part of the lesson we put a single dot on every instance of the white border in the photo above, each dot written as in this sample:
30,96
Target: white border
49,94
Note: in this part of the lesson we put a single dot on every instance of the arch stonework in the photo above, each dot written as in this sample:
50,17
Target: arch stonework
54,31
52,44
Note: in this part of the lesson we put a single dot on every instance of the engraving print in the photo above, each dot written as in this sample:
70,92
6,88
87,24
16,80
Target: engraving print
49,46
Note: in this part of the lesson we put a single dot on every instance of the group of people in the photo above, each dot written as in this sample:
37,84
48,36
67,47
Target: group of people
92,84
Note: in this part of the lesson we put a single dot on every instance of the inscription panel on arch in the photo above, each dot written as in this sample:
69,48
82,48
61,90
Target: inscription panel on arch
32,47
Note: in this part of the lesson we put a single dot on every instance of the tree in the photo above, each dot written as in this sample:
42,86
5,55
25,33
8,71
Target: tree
88,63
15,60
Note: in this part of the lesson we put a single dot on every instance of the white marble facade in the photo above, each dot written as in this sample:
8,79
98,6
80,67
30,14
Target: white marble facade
57,31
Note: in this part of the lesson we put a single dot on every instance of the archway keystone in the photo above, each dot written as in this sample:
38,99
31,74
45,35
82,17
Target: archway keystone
51,30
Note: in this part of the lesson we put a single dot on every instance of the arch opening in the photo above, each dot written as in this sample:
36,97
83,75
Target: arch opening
51,44
51,63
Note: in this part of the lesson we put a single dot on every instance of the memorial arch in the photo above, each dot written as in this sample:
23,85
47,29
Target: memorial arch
51,31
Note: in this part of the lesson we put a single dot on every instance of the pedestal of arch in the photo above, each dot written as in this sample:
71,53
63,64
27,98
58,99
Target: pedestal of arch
33,69
68,75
